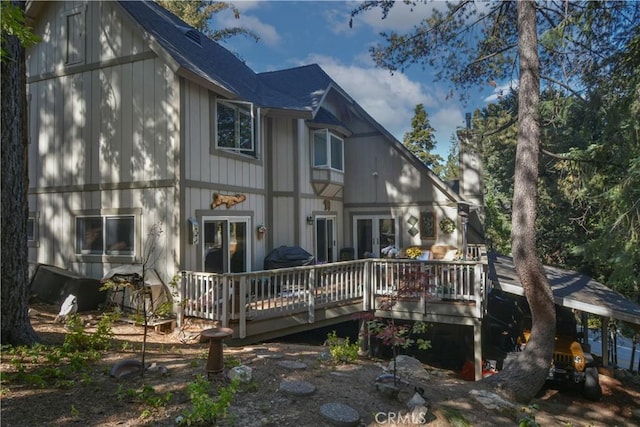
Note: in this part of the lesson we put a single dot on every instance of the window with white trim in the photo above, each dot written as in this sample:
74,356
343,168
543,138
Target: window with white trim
328,150
105,235
234,127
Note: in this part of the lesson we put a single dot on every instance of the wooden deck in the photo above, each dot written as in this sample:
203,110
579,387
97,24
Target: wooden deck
283,301
267,304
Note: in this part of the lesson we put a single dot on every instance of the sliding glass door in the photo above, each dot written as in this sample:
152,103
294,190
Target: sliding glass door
325,231
226,244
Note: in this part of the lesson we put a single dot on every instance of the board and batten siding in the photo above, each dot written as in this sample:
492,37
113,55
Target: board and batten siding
382,174
204,164
208,171
103,134
198,201
385,181
108,35
56,227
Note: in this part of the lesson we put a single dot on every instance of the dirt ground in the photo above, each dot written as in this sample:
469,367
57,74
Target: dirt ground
90,396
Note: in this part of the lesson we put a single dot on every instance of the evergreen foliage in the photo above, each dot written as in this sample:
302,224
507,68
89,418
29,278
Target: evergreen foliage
420,140
198,13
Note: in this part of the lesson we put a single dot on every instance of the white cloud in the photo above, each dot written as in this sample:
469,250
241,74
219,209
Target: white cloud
500,91
401,17
389,99
267,33
245,5
337,19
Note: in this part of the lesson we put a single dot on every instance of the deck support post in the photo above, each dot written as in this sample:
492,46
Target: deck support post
604,333
477,349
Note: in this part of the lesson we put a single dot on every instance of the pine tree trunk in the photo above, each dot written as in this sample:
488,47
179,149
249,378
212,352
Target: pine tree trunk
525,376
16,327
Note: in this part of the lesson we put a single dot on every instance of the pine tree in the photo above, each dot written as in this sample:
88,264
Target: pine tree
420,140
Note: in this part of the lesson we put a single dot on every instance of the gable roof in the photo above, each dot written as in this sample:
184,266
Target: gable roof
299,90
307,85
310,84
195,55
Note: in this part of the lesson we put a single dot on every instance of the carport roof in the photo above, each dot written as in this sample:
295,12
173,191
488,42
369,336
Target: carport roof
570,289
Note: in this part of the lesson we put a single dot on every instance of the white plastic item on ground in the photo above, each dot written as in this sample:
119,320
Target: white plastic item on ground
68,307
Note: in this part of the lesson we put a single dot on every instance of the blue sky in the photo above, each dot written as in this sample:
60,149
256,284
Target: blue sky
295,33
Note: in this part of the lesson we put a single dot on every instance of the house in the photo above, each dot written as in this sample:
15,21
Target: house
139,123
136,119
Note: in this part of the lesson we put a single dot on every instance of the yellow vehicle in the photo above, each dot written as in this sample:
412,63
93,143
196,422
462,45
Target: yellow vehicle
508,328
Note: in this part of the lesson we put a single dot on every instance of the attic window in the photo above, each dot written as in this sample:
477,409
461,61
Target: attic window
74,27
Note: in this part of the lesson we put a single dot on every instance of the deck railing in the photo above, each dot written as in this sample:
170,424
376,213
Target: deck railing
270,293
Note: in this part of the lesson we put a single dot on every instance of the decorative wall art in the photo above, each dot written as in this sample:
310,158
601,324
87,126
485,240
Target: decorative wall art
413,226
227,199
427,225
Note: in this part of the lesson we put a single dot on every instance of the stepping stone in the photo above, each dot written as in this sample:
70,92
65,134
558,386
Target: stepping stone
297,388
290,364
339,374
340,414
266,355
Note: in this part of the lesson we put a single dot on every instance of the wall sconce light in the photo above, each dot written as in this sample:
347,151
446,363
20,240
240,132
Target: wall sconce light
310,220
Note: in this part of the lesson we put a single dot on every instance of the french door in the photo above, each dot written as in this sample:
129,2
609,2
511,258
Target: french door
325,231
226,244
372,234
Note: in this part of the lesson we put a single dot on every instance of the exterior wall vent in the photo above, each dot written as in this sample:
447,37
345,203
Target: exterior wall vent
191,34
194,36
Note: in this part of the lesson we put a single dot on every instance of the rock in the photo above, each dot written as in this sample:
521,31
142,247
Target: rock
162,370
410,367
388,379
324,356
297,388
340,414
242,373
125,368
419,414
291,364
416,400
269,355
492,401
339,374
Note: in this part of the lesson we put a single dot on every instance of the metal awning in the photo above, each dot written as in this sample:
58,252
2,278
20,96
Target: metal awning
570,289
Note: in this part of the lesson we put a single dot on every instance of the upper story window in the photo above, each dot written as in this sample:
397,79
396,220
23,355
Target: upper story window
234,127
105,235
74,23
328,150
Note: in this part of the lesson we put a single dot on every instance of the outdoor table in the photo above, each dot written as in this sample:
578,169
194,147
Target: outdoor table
215,361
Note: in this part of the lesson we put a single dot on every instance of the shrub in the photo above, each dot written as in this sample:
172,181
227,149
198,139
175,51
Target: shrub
340,349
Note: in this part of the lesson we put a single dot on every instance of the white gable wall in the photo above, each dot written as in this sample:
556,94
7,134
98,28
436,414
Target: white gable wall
383,180
103,136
